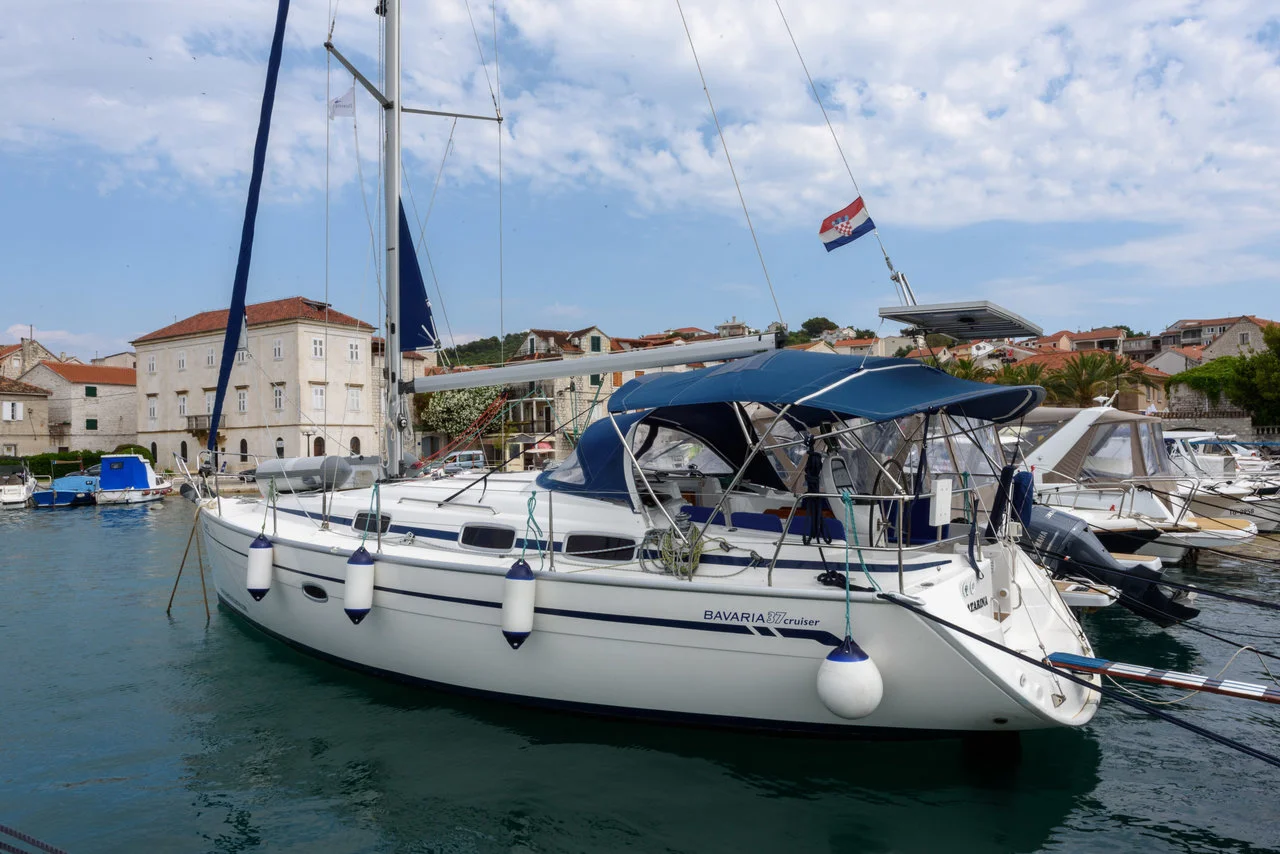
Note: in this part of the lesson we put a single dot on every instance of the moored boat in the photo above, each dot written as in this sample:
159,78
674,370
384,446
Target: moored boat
129,479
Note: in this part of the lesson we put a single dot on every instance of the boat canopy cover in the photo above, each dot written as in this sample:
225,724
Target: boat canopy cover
878,389
123,472
597,466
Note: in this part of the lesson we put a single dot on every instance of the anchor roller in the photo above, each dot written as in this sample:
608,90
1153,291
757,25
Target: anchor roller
358,596
849,682
258,570
518,593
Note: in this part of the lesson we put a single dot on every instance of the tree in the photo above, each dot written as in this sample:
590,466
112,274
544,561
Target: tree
859,332
452,412
1128,332
966,369
815,326
1021,374
1092,374
1250,382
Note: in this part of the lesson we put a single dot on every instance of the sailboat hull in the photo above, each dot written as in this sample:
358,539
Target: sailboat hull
653,648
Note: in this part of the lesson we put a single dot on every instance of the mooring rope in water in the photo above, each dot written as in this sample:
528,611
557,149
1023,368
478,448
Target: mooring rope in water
199,555
30,840
1117,696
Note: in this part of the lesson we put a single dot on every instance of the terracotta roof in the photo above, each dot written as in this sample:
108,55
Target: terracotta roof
1194,353
260,314
9,348
1057,361
8,386
689,330
1096,334
854,342
95,374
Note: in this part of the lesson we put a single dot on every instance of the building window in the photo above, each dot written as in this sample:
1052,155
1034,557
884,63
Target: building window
317,397
244,450
91,391
209,397
1244,339
242,356
154,451
355,446
182,450
91,424
277,349
277,397
595,379
318,447
317,348
208,358
617,379
533,345
353,351
242,400
182,360
353,399
151,407
151,364
279,447
595,343
182,406
11,411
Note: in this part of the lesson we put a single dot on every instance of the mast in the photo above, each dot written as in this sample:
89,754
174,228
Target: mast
395,419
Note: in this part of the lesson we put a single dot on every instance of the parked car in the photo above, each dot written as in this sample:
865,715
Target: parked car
465,461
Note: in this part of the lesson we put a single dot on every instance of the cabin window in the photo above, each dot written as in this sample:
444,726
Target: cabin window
488,537
91,391
600,547
370,522
115,466
665,449
1111,454
91,424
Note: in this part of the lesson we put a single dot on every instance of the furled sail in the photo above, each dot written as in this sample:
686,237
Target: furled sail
236,314
417,327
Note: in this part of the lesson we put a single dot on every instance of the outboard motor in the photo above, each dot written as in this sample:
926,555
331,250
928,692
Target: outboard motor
1067,546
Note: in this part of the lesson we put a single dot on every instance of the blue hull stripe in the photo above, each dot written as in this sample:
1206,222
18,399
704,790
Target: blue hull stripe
713,560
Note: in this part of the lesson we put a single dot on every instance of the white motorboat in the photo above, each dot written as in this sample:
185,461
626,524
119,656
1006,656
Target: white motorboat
16,487
1216,479
129,479
1111,469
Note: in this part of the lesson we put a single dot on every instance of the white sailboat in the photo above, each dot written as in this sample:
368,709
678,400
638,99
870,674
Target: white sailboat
826,572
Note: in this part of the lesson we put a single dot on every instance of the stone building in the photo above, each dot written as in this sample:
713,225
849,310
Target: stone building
91,407
302,384
24,419
17,359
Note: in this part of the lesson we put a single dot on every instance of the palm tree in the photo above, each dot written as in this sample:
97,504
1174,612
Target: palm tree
1021,374
1090,375
966,369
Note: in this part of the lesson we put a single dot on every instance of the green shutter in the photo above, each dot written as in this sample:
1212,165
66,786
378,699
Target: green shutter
91,391
595,379
91,424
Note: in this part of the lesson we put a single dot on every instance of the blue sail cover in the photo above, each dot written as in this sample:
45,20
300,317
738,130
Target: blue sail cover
417,328
878,389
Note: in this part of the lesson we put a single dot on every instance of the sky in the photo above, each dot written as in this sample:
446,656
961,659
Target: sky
1082,163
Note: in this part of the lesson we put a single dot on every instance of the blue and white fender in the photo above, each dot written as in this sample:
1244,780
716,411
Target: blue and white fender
358,593
849,683
258,570
518,594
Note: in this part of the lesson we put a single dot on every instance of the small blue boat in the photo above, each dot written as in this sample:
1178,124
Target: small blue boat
73,490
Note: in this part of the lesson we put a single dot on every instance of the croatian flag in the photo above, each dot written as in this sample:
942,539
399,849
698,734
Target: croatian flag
845,226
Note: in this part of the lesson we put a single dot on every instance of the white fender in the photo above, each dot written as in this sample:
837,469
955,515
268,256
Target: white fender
358,596
849,683
518,594
258,572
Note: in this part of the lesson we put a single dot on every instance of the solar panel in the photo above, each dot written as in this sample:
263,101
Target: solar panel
973,319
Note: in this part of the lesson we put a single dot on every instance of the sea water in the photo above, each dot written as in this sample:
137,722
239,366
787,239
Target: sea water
122,729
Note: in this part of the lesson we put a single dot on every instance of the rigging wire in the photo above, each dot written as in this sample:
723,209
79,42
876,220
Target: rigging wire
422,229
732,171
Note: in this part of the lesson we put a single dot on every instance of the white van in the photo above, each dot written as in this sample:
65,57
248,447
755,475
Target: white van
465,461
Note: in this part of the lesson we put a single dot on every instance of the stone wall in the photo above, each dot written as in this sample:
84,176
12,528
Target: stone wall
1222,421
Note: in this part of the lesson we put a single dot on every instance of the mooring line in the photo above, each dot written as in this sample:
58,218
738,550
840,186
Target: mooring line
30,840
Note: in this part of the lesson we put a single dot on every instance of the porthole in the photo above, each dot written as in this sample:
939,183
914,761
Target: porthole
368,523
315,592
487,537
600,547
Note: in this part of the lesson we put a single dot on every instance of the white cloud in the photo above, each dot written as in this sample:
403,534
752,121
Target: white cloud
1155,111
85,345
